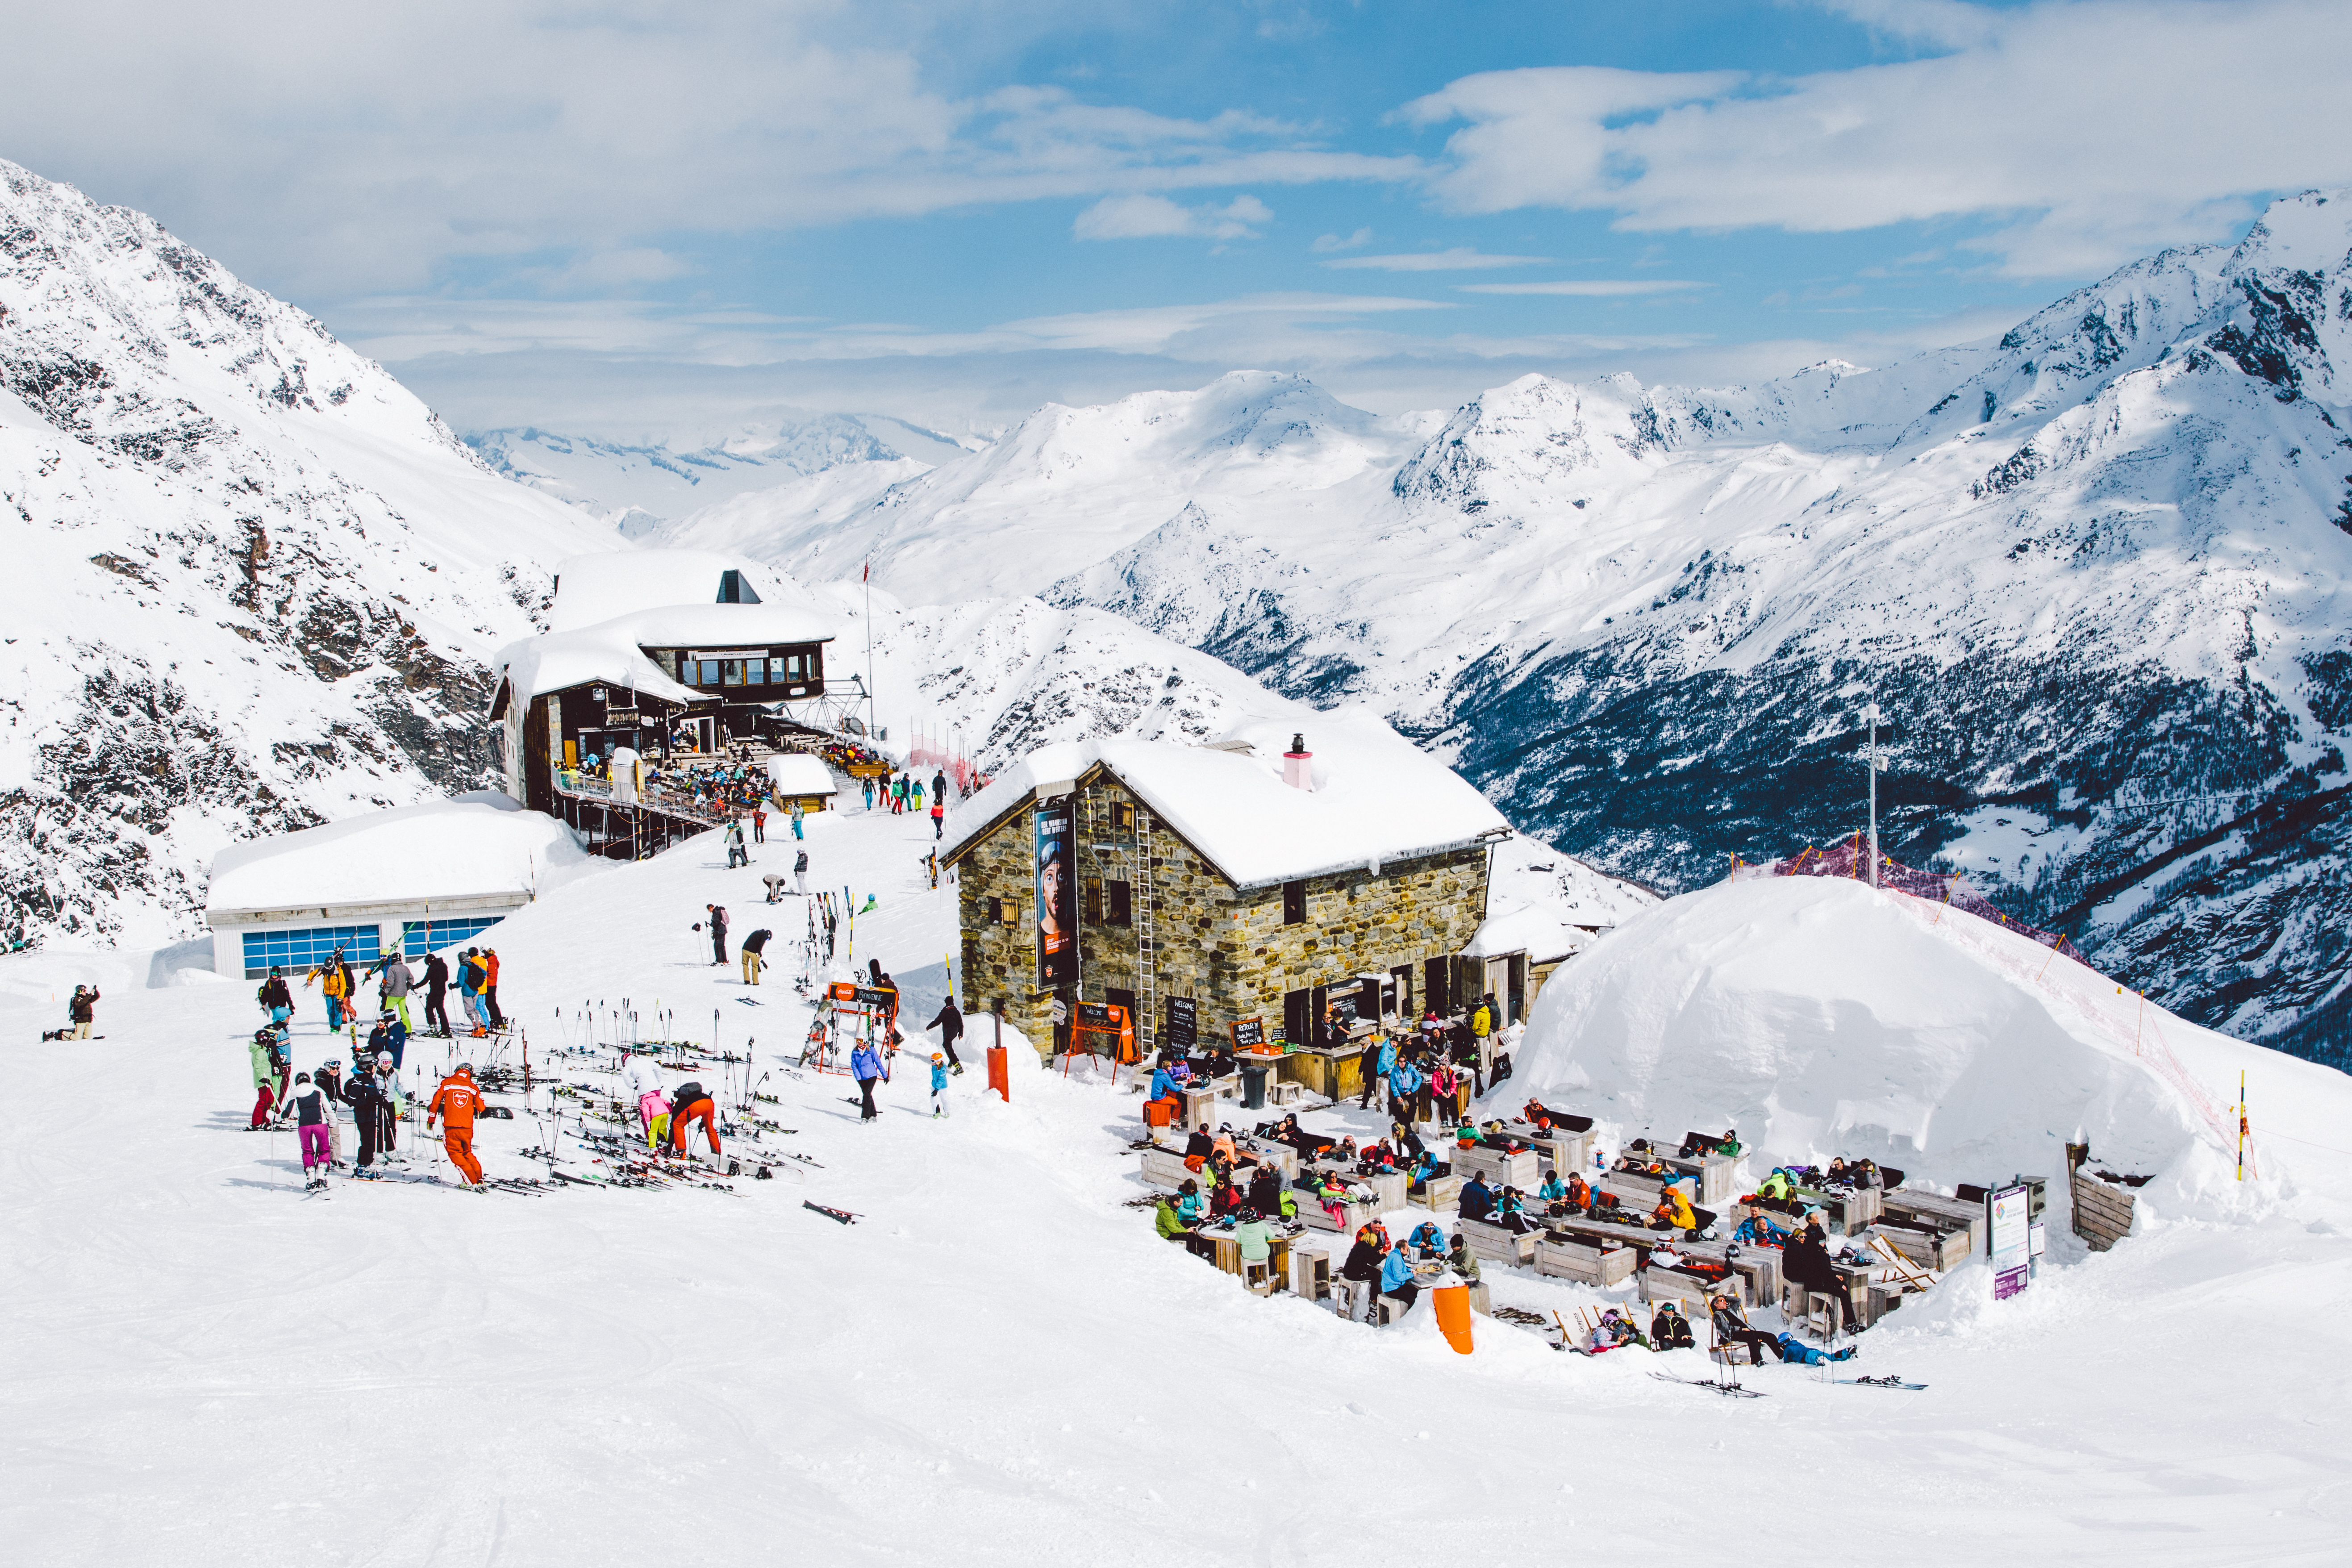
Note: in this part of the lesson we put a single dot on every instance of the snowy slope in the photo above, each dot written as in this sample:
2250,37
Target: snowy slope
2095,570
255,581
639,486
998,1363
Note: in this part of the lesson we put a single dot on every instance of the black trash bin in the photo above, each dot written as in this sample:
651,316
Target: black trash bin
1254,1088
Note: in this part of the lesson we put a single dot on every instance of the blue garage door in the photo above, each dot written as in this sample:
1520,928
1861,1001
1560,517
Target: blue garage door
296,950
418,936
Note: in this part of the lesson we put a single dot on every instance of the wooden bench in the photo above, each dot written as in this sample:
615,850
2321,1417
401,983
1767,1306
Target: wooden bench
1354,1214
1521,1170
1639,1191
1493,1242
1588,1263
1848,1210
1715,1175
1166,1168
1285,1093
1924,1245
1281,1156
1658,1282
1558,1149
1439,1192
1910,1203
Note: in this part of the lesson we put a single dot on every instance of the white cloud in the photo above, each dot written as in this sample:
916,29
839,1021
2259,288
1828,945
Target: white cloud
2095,130
1585,287
1146,217
1327,243
1459,259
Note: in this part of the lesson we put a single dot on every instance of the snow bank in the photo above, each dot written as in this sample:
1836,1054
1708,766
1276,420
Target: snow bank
797,774
442,850
1820,1017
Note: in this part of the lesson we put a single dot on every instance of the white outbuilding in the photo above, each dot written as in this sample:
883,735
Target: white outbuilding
417,879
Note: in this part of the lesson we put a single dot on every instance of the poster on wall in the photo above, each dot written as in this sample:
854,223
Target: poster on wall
2011,1211
1057,897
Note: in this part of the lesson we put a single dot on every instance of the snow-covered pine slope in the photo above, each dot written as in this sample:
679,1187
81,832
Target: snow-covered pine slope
1001,1365
641,486
2095,570
252,580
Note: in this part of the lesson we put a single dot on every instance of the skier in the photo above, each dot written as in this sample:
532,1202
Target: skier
268,1068
867,1067
83,1011
274,999
374,1099
395,979
939,1085
643,1080
491,987
456,1101
753,949
472,974
437,980
313,1116
718,934
948,1021
388,1038
693,1103
334,978
800,873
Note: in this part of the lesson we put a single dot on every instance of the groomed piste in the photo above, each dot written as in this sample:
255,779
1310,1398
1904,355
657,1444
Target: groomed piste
1000,1361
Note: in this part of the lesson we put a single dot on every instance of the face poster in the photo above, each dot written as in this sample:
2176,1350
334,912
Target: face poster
1057,897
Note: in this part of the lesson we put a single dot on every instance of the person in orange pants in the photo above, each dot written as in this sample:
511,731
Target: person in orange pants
454,1102
689,1104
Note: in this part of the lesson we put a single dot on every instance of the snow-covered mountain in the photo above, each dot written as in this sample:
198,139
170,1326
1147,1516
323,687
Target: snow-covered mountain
2094,571
638,487
255,580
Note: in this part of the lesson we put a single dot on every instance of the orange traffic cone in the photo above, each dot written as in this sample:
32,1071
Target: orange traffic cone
1453,1302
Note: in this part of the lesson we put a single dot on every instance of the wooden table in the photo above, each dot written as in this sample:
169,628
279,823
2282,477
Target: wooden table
1633,1186
1440,1192
1228,1252
1493,1241
1562,1151
1716,1175
1905,1202
1199,1105
1586,1261
1282,1156
1501,1170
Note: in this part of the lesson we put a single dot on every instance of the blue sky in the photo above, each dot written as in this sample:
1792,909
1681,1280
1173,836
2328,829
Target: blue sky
631,219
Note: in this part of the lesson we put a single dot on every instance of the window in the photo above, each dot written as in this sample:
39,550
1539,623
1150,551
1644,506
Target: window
296,950
1093,904
1122,904
1294,903
734,672
432,936
1005,911
1122,815
1297,1017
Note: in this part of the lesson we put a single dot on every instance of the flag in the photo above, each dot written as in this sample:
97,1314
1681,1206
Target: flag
866,573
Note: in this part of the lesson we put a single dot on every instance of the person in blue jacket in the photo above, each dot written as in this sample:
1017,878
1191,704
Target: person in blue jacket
1477,1199
1404,1081
1427,1240
1163,1088
938,1084
1397,1282
866,1065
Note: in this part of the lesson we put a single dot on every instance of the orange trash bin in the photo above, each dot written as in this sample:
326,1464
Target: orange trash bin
1453,1303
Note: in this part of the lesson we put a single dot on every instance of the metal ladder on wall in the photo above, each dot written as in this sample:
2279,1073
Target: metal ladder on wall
1148,1026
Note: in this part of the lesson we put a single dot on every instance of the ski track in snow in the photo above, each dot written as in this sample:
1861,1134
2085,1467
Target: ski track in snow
998,1361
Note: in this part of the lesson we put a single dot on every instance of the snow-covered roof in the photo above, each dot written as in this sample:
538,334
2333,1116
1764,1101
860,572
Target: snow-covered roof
607,653
447,850
726,625
1530,929
796,773
1377,798
594,588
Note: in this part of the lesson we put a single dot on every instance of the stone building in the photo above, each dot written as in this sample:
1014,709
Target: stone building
1204,886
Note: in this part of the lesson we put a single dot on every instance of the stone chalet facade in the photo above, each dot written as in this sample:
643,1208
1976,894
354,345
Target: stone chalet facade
1162,916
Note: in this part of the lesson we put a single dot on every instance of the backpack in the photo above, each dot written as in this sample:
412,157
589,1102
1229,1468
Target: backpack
688,1093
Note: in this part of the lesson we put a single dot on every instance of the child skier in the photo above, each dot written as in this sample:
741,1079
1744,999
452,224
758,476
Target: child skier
938,1084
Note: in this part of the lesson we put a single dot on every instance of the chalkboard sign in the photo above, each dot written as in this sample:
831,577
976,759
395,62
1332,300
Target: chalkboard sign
1249,1034
1183,1022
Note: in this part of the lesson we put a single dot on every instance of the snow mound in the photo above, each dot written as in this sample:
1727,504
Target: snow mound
1820,1017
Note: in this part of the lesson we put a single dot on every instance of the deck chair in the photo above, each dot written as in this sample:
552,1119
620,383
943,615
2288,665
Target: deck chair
1912,1276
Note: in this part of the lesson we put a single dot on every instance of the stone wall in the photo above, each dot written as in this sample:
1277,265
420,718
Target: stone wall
1228,950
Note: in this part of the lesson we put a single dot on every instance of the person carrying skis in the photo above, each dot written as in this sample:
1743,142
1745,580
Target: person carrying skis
718,934
313,1116
753,949
939,1085
455,1102
471,973
334,978
276,1000
867,1067
692,1104
269,1069
395,979
437,980
948,1021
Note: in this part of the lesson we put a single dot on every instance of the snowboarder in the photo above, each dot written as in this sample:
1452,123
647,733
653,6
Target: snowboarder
394,980
753,949
733,839
939,1085
276,1000
948,1021
799,812
81,1011
693,1103
313,1117
437,980
455,1102
776,886
718,934
867,1067
800,873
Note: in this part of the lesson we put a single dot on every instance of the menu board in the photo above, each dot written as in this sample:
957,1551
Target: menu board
1249,1034
1183,1022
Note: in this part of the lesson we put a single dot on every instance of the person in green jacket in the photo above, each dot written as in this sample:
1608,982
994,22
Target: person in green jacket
1255,1238
1167,1223
268,1074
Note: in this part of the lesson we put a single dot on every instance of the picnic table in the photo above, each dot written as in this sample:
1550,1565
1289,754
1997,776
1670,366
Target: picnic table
1909,1202
1226,1252
1499,1243
1584,1259
1565,1151
1200,1104
1519,1169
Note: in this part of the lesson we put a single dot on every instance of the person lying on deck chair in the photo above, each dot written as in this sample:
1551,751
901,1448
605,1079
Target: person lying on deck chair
1756,1230
1614,1332
1670,1331
1674,1210
1732,1327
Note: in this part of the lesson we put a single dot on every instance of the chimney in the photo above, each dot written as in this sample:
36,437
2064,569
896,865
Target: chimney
1295,771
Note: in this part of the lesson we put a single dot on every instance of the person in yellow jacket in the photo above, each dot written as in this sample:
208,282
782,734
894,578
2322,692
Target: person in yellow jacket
334,978
1674,1210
